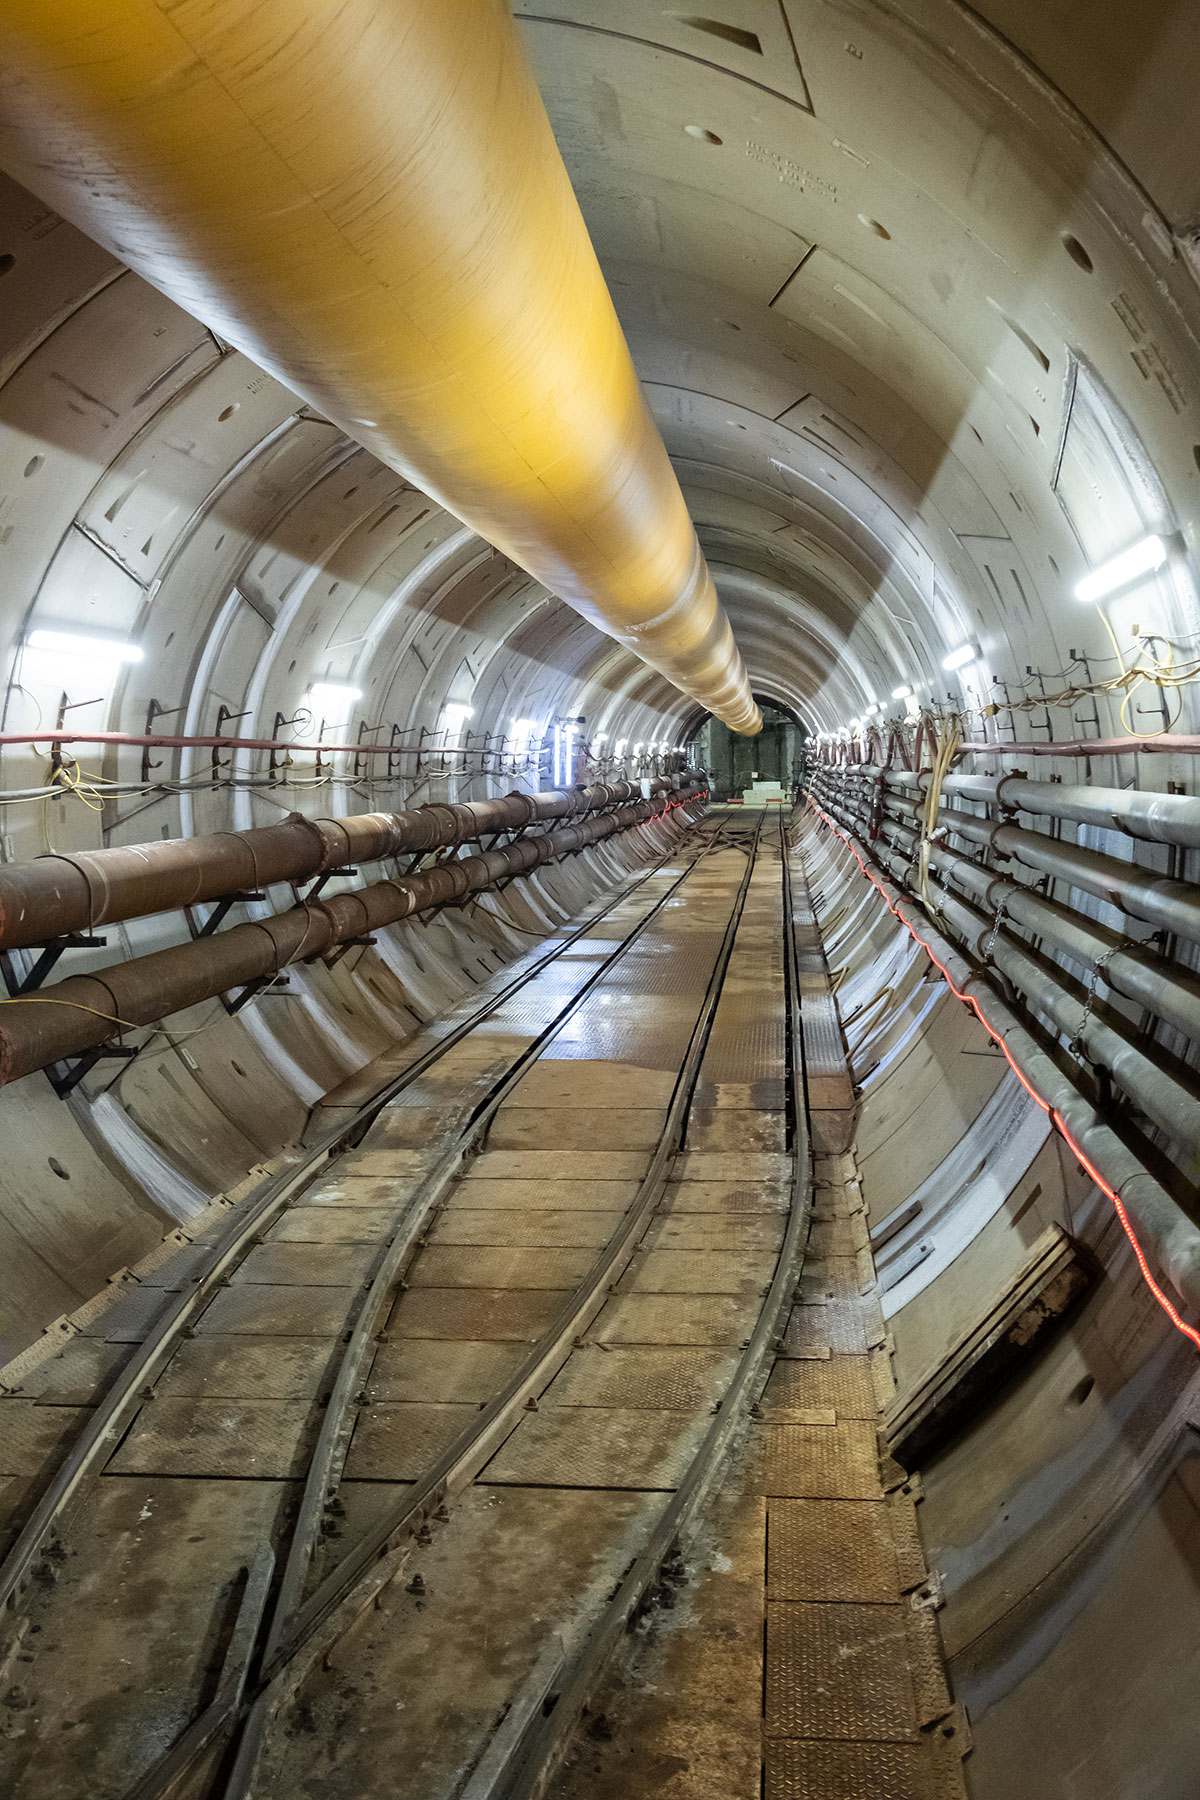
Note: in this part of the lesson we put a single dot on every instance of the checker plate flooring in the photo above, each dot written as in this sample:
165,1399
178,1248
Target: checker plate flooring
597,1447
833,1550
838,1672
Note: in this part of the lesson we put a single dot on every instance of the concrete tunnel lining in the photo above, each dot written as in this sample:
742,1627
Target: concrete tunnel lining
911,294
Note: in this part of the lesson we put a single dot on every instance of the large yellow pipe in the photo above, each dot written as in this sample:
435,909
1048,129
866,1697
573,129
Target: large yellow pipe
366,197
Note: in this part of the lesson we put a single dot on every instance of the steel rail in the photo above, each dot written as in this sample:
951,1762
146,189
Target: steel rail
114,1412
356,1579
540,1746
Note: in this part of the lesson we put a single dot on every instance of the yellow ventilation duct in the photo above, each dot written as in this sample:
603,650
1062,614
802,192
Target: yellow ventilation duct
368,200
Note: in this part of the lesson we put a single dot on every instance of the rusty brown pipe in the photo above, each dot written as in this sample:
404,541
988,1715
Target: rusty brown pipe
56,895
84,1011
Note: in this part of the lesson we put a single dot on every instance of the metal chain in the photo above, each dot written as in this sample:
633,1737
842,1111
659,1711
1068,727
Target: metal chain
1001,909
1076,1045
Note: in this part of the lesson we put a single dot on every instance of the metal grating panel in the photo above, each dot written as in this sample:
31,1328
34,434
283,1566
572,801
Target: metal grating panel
833,1550
398,1442
724,1197
910,1557
83,1370
281,1311
843,1382
838,1323
829,1771
838,1671
276,1368
557,1165
469,1370
308,1265
815,1462
334,1225
676,1319
131,1317
837,1237
513,1314
824,1051
717,1231
925,1664
457,1266
830,1278
659,1377
601,1447
537,1196
34,1438
698,1272
539,1229
239,1439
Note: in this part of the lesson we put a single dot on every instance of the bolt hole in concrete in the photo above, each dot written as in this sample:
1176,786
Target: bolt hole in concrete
703,134
7,261
871,224
33,465
1196,454
228,412
63,1174
1081,1390
1077,253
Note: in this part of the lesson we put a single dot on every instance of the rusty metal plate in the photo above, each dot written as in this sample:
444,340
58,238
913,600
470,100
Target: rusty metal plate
243,1440
837,1237
832,1133
536,1196
578,1082
393,1164
83,1370
308,1265
278,1368
575,1128
557,1165
597,1447
698,1272
658,1377
843,1382
489,1266
35,1438
132,1316
735,1166
676,1319
724,1128
830,1771
906,1535
830,1278
838,1671
397,1441
281,1311
519,1315
838,1323
831,1550
813,1462
540,1229
469,1370
334,1225
717,1231
725,1197
926,1668
342,1191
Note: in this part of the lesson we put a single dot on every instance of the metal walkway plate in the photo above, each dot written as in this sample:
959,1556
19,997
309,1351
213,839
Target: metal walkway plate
597,1447
838,1671
835,1550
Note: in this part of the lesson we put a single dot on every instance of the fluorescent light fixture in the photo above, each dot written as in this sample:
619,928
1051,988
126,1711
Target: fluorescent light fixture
1142,558
871,711
619,748
601,737
902,693
333,693
854,725
958,659
67,644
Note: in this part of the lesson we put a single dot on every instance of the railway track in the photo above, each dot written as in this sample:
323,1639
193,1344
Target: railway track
264,1362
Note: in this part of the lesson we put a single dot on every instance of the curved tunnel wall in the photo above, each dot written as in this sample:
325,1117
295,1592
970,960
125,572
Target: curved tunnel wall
912,291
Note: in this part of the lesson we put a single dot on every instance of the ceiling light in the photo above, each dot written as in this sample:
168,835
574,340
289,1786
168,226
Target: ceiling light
958,659
455,715
902,693
1142,558
66,643
333,693
871,711
601,738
